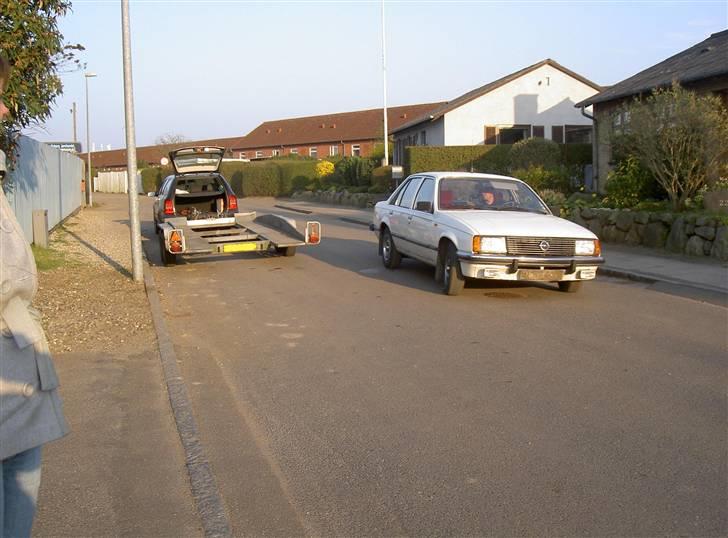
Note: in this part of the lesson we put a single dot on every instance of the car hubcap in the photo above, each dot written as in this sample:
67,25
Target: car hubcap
386,249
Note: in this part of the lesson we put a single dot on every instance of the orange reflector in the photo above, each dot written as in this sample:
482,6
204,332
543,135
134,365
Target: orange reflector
597,247
476,243
176,235
313,233
175,241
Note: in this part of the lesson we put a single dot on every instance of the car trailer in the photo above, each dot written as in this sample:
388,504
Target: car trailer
244,232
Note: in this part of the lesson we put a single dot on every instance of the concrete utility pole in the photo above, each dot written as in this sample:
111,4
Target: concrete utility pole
73,113
131,165
384,85
89,195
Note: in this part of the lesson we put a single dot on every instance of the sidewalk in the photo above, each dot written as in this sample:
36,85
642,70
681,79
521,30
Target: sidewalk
121,470
704,275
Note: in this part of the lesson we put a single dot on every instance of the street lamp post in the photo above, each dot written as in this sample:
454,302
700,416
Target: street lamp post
384,87
89,195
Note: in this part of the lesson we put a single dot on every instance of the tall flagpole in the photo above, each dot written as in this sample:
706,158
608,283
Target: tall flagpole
384,88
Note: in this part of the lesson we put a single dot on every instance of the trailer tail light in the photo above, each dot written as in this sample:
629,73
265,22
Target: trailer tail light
176,241
313,233
232,203
168,207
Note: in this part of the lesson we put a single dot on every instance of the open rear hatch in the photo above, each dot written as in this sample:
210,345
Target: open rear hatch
197,159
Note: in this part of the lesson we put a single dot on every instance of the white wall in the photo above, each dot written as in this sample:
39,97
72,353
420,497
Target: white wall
522,101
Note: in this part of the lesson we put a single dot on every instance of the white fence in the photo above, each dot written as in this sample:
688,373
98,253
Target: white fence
43,178
115,182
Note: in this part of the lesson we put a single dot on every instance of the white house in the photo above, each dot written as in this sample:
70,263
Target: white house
537,101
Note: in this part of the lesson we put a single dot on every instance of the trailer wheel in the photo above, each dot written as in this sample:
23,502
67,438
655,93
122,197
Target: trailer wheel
167,257
286,251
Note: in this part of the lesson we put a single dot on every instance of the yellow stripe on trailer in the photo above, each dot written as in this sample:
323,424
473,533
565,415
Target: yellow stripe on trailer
240,247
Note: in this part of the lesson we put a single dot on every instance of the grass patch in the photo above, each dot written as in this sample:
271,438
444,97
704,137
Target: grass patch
47,258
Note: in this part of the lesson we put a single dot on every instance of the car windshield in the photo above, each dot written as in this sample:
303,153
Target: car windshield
460,193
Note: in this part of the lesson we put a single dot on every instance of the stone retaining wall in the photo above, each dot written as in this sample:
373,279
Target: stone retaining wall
693,235
361,199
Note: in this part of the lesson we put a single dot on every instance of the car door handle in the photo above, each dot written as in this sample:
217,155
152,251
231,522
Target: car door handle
409,218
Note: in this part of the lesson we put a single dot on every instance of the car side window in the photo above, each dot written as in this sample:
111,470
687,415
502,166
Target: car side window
408,195
397,196
426,192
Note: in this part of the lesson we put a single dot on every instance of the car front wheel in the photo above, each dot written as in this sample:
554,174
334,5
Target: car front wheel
390,255
453,280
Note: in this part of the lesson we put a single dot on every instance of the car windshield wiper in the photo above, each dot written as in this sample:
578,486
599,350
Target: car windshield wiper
512,208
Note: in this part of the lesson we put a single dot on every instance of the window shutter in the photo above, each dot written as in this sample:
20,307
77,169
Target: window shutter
490,135
538,131
557,133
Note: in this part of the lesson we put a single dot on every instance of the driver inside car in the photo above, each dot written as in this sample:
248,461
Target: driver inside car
486,198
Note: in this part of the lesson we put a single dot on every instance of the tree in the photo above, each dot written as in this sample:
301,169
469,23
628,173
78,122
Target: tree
167,142
32,43
680,137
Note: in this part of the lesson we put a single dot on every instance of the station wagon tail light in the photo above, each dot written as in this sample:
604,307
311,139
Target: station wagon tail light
168,207
313,233
232,203
176,241
489,245
587,247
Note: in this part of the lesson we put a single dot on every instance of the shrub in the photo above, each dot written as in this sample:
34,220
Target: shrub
538,152
541,179
628,184
382,180
353,171
152,178
324,168
553,198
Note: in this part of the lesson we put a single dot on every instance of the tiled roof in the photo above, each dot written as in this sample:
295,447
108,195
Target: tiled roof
359,125
707,59
478,92
116,158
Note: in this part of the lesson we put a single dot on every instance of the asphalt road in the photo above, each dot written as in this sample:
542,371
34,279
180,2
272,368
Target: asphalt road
338,398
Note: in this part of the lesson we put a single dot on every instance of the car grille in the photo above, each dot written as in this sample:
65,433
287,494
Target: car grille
531,246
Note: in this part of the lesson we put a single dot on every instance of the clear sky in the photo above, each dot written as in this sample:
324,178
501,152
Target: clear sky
209,69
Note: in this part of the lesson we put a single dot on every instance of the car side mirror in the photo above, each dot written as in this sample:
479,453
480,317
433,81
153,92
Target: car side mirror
424,206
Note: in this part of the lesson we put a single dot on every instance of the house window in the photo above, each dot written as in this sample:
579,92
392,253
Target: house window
511,135
423,137
241,155
276,153
355,150
557,133
294,151
313,152
491,134
578,134
333,150
538,131
258,154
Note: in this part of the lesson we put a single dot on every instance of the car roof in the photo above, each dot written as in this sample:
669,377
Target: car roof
474,175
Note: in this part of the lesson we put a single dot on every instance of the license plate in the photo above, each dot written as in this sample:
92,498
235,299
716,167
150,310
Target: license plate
540,274
240,247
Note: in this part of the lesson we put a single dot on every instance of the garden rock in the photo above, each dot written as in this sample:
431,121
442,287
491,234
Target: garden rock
720,245
625,220
634,236
678,239
706,232
641,217
695,246
588,213
705,221
707,246
655,235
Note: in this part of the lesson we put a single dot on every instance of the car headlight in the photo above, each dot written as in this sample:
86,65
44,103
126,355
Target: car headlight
489,245
587,247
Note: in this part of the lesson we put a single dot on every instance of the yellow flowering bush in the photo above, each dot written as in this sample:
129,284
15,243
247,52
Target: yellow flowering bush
324,168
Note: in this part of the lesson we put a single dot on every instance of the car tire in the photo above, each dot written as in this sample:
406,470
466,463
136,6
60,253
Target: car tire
167,257
391,258
286,251
570,286
453,280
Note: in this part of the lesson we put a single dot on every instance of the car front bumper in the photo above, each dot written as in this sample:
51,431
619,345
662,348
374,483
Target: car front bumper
552,269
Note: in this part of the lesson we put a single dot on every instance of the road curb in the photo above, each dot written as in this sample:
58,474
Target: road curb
296,209
202,481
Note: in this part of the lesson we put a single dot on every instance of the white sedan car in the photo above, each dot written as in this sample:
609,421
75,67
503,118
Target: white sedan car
482,226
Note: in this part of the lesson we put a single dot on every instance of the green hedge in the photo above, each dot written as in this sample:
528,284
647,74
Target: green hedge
490,158
152,178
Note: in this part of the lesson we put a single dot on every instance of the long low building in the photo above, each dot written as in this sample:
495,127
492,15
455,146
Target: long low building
343,134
